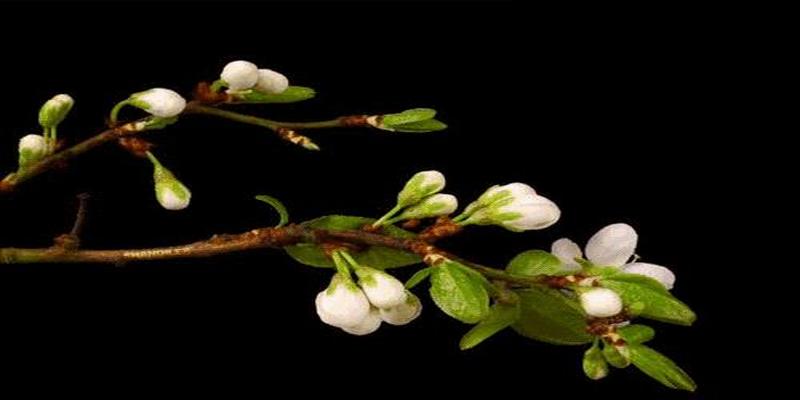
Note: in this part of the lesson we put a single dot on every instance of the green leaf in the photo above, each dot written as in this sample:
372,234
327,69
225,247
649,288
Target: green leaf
430,125
618,357
636,333
500,316
278,206
292,94
408,116
418,277
550,316
639,280
457,293
534,262
594,365
657,304
373,256
660,368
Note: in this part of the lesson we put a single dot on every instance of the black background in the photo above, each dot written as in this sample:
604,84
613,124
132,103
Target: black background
600,112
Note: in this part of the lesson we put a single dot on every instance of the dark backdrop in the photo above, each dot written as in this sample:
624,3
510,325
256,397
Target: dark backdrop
599,112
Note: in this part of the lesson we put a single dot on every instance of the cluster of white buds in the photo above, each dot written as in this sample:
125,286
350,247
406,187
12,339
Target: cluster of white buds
359,309
170,192
515,206
613,246
33,148
420,198
243,75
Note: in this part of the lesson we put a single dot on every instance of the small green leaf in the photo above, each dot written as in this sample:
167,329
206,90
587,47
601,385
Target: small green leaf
618,357
657,304
660,368
636,333
292,94
456,292
374,256
431,125
418,277
594,366
534,262
550,316
500,316
639,280
278,206
408,116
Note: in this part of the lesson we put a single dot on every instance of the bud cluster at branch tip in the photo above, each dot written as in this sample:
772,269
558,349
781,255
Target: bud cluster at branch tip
420,198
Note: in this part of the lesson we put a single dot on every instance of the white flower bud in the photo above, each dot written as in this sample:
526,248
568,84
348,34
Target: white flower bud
32,148
535,213
601,302
270,81
420,186
431,206
240,75
159,102
55,110
497,193
403,313
369,324
382,289
170,192
342,304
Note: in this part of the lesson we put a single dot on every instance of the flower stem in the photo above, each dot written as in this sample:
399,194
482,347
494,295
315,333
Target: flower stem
384,220
112,118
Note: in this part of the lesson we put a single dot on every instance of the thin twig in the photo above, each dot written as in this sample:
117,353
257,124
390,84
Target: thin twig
80,216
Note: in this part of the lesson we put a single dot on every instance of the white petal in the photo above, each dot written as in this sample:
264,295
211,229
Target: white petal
612,246
240,75
403,313
369,324
566,250
601,302
657,272
382,289
343,305
536,213
270,81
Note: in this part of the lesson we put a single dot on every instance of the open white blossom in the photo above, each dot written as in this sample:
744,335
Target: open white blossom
613,246
342,304
159,102
240,75
270,81
403,313
515,206
382,289
601,302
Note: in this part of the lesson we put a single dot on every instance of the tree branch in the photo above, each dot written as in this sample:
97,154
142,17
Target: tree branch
256,239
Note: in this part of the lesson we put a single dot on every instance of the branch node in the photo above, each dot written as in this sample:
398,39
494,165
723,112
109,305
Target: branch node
71,240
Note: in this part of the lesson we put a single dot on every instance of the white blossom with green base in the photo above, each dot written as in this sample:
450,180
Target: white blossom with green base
160,102
515,206
600,302
612,246
239,75
404,313
271,82
170,192
32,148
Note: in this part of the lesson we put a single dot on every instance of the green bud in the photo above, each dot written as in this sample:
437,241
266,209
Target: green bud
594,366
170,192
55,110
431,206
32,148
420,186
